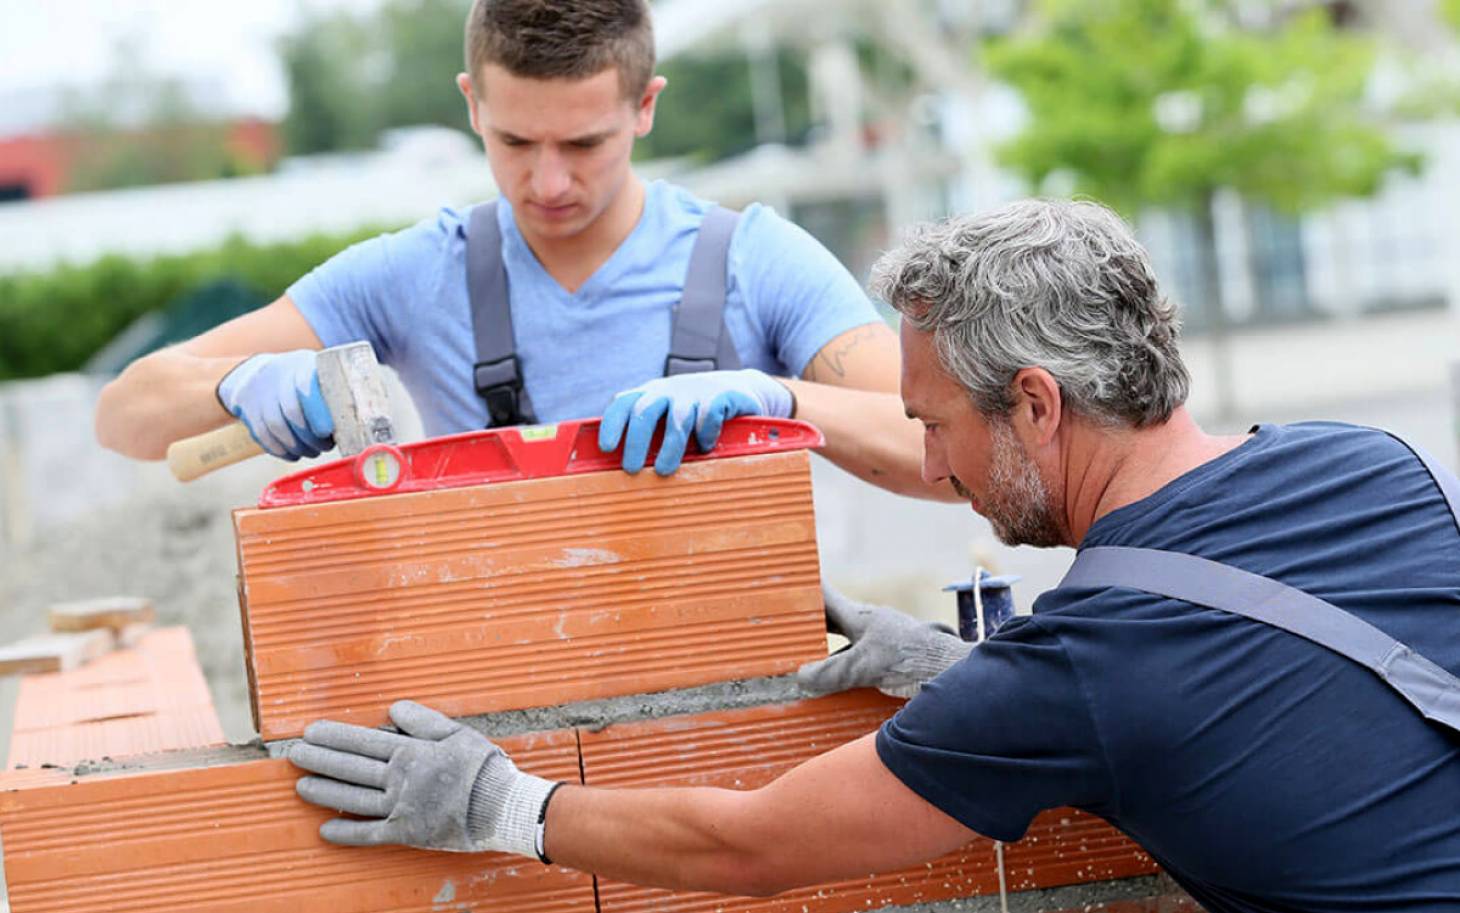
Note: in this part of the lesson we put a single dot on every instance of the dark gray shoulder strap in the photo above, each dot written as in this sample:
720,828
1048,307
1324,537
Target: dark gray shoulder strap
699,341
1431,689
498,372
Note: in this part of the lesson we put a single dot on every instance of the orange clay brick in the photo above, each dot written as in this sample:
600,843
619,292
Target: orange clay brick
114,612
32,777
1064,846
530,593
234,838
145,699
744,749
55,652
1166,903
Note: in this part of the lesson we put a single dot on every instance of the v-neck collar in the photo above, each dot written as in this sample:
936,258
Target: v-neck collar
608,271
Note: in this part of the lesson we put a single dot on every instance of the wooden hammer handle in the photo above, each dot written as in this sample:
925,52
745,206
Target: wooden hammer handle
195,456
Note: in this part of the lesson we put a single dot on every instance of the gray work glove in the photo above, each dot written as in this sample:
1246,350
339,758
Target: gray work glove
435,785
890,651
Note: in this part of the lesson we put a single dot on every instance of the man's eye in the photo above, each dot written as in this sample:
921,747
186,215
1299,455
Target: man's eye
513,141
586,143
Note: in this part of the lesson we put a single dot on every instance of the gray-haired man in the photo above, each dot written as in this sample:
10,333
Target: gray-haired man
1264,770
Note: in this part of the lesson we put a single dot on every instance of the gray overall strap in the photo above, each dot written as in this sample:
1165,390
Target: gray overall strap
699,341
498,372
1445,480
1431,689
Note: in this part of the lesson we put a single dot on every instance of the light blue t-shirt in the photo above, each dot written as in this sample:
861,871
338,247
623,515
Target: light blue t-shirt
406,294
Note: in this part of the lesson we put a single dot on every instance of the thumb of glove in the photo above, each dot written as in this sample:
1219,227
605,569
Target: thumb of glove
837,672
421,721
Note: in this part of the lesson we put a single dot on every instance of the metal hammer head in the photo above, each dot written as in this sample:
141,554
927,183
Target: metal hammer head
354,390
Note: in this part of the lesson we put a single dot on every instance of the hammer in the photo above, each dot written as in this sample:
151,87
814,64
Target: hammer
354,391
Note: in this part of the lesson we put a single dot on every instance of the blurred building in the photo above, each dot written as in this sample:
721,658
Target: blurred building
416,171
46,162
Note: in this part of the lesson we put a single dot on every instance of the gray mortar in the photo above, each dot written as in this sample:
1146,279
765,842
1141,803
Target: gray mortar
598,714
181,759
1070,897
595,715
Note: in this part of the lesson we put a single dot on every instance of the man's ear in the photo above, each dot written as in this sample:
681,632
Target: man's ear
1038,405
645,113
463,82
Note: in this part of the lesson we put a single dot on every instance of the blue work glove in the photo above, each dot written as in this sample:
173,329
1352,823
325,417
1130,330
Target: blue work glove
435,785
277,397
702,402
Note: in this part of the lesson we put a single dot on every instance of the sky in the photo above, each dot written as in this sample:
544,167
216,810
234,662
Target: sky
229,46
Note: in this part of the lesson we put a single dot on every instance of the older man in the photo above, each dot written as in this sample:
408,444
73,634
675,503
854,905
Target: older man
1266,771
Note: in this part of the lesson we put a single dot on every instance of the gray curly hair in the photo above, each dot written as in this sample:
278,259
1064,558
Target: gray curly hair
1058,285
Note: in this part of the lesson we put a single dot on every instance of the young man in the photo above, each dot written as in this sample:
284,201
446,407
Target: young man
1263,769
595,261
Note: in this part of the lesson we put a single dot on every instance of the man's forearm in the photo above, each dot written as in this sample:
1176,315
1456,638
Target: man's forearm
869,435
164,397
689,839
836,816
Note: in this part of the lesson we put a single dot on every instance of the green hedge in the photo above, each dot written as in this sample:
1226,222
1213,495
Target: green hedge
55,320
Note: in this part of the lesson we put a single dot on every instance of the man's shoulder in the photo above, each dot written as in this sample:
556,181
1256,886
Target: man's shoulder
1304,467
442,234
675,204
1317,505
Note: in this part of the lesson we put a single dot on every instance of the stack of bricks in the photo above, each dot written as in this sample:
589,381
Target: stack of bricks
144,698
606,629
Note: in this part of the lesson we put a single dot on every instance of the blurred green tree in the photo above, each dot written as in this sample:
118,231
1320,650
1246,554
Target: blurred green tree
351,76
1163,103
707,111
422,41
332,68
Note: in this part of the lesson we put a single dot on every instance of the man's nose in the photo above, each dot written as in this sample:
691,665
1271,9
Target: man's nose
935,468
550,179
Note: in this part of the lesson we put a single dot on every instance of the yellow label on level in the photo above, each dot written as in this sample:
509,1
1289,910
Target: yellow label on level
538,432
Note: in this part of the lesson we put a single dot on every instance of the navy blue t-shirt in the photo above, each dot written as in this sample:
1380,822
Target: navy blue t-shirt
1264,772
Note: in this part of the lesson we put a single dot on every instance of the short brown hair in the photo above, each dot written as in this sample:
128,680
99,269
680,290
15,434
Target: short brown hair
572,39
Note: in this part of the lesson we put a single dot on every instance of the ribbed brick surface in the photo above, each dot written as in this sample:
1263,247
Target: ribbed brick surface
744,749
235,839
144,699
531,593
120,738
1064,846
32,777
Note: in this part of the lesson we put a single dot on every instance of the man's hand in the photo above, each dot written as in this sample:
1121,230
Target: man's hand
702,402
890,651
277,397
435,785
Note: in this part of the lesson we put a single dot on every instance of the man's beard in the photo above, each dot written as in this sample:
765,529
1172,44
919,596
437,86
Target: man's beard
1018,502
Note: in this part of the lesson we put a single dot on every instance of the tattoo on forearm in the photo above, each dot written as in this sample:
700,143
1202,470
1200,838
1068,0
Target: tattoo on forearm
832,359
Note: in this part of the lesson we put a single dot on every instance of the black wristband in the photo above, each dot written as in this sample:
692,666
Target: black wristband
541,821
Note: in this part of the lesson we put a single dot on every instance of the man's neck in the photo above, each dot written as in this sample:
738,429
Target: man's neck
1105,471
572,260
